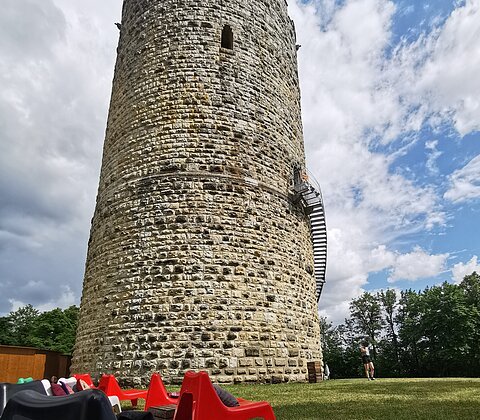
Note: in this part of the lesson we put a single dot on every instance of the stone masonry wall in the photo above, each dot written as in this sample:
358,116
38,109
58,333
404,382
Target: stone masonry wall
198,257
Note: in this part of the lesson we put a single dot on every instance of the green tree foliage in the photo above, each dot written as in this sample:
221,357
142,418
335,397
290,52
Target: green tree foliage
6,336
435,332
389,357
51,330
366,315
408,320
350,342
471,288
20,324
447,323
436,327
338,348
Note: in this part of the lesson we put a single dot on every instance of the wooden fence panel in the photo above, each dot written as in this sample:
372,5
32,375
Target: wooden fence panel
24,362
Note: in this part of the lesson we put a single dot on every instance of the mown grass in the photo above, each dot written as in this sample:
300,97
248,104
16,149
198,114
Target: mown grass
349,399
352,399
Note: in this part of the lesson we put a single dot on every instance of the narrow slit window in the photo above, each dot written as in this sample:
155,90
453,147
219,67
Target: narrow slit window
227,37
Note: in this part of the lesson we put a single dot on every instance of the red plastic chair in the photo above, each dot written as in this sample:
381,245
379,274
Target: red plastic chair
157,394
206,405
85,377
110,386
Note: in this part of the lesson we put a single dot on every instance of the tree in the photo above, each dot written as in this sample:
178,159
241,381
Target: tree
410,313
352,365
51,330
448,324
389,303
390,347
436,330
55,330
328,338
333,352
66,339
366,315
471,288
6,337
21,322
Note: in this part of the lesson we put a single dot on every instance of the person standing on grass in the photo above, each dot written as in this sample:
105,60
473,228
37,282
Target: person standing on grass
367,362
326,372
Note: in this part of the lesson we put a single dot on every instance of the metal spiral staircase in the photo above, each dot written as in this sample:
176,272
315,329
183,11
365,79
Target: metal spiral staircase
311,200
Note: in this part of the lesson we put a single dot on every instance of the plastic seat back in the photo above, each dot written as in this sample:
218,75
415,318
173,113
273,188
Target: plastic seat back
7,390
85,377
109,385
157,393
207,405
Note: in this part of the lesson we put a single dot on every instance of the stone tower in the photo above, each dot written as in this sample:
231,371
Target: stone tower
200,256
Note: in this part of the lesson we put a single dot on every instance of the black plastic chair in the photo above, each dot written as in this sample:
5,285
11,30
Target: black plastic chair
7,390
90,404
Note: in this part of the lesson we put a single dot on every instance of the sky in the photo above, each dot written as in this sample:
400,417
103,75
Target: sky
391,115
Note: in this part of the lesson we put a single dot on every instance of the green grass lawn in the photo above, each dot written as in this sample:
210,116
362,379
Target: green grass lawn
348,399
453,398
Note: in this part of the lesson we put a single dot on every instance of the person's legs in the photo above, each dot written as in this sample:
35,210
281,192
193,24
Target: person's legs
372,370
365,365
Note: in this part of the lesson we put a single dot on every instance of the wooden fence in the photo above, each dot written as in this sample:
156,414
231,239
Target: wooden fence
24,362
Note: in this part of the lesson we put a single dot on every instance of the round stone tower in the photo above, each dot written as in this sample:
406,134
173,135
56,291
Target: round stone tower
200,257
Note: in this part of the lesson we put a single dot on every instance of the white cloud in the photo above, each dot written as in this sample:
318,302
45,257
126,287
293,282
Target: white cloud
437,74
450,77
417,265
352,101
465,182
407,10
337,312
56,66
460,270
432,155
15,305
66,299
381,258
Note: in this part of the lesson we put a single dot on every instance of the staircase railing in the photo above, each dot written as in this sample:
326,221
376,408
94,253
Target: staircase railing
312,202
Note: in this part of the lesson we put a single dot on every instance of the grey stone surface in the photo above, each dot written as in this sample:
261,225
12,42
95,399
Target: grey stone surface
198,258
